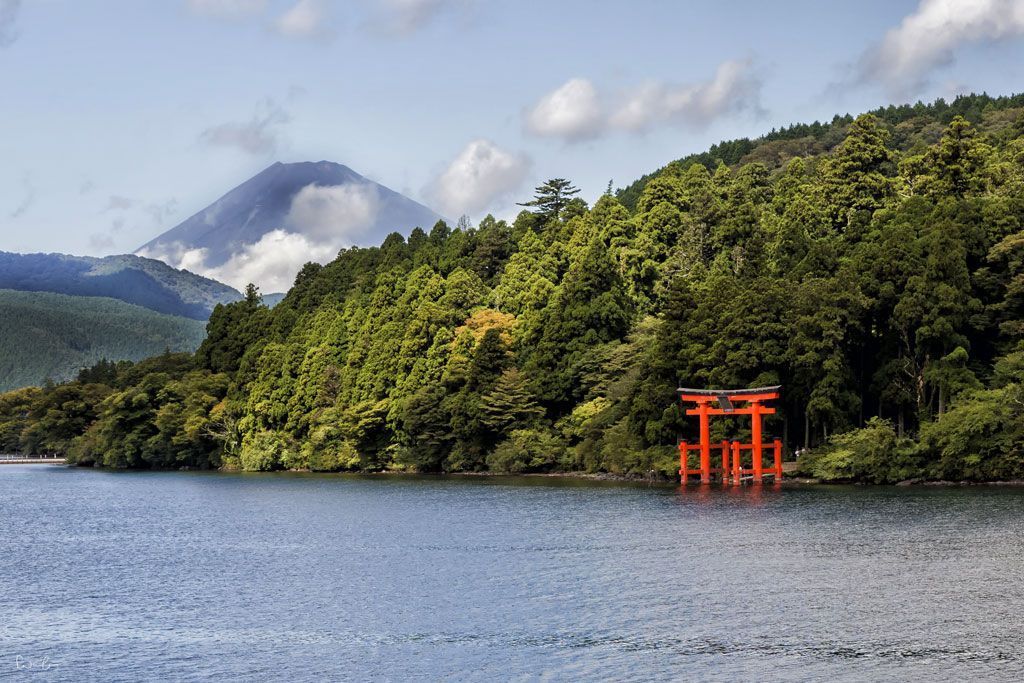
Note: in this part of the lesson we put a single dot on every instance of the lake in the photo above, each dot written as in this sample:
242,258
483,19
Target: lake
209,576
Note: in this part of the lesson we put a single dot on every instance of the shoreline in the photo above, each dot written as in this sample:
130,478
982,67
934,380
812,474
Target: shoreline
583,476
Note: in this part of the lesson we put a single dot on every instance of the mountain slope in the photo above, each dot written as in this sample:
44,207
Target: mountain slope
51,336
132,279
912,124
311,209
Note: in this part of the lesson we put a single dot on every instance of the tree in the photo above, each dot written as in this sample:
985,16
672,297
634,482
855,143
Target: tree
957,162
424,430
232,330
856,176
526,450
934,311
550,198
509,402
590,306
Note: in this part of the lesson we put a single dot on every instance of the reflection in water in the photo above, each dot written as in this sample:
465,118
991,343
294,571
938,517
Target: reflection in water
303,577
749,493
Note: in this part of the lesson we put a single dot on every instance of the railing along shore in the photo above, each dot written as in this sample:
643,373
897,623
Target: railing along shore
15,459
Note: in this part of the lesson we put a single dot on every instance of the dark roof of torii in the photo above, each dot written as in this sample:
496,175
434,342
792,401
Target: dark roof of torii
730,392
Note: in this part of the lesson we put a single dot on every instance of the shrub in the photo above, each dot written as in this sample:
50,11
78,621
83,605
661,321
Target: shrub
872,454
326,451
526,450
261,451
981,438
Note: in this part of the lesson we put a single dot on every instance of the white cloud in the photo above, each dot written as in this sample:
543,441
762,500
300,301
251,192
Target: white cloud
335,214
479,176
271,263
576,110
930,36
8,17
175,254
320,221
572,111
259,136
227,9
306,20
733,88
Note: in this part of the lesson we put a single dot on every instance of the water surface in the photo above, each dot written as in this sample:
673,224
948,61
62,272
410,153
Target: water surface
188,576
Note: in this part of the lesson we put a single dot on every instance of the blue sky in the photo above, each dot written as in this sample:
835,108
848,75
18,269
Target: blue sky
121,118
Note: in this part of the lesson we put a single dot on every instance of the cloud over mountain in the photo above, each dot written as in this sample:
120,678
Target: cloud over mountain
265,229
334,212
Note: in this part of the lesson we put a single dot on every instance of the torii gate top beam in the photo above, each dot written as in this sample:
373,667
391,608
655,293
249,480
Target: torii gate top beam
725,397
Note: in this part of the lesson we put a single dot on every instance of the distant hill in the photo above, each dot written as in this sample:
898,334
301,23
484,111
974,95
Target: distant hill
131,279
273,299
326,204
51,336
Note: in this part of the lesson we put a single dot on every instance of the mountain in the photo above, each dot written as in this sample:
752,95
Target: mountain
52,336
265,229
132,279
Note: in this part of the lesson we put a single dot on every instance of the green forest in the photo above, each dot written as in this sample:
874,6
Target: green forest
873,266
47,336
135,280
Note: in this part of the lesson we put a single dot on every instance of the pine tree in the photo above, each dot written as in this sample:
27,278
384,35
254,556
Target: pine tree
508,404
550,198
856,175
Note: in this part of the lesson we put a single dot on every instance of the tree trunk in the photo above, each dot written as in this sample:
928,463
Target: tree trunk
899,424
920,391
942,400
785,431
807,428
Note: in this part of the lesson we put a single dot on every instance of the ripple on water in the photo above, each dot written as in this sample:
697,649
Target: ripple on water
224,577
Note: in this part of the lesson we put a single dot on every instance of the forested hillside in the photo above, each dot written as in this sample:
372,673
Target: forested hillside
132,279
876,276
908,125
48,336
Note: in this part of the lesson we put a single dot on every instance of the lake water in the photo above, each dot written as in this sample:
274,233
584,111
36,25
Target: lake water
192,576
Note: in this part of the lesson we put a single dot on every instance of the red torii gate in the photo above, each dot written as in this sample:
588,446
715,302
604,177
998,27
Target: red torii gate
730,472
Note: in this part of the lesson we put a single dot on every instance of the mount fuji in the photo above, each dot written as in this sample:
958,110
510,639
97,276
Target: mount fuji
265,229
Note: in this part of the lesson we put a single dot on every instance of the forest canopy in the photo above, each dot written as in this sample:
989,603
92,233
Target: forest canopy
46,336
873,266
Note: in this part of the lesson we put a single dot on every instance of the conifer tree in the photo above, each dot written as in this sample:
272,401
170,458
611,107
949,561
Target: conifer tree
550,198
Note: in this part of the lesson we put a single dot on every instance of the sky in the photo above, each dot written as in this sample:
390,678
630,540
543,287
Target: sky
120,118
